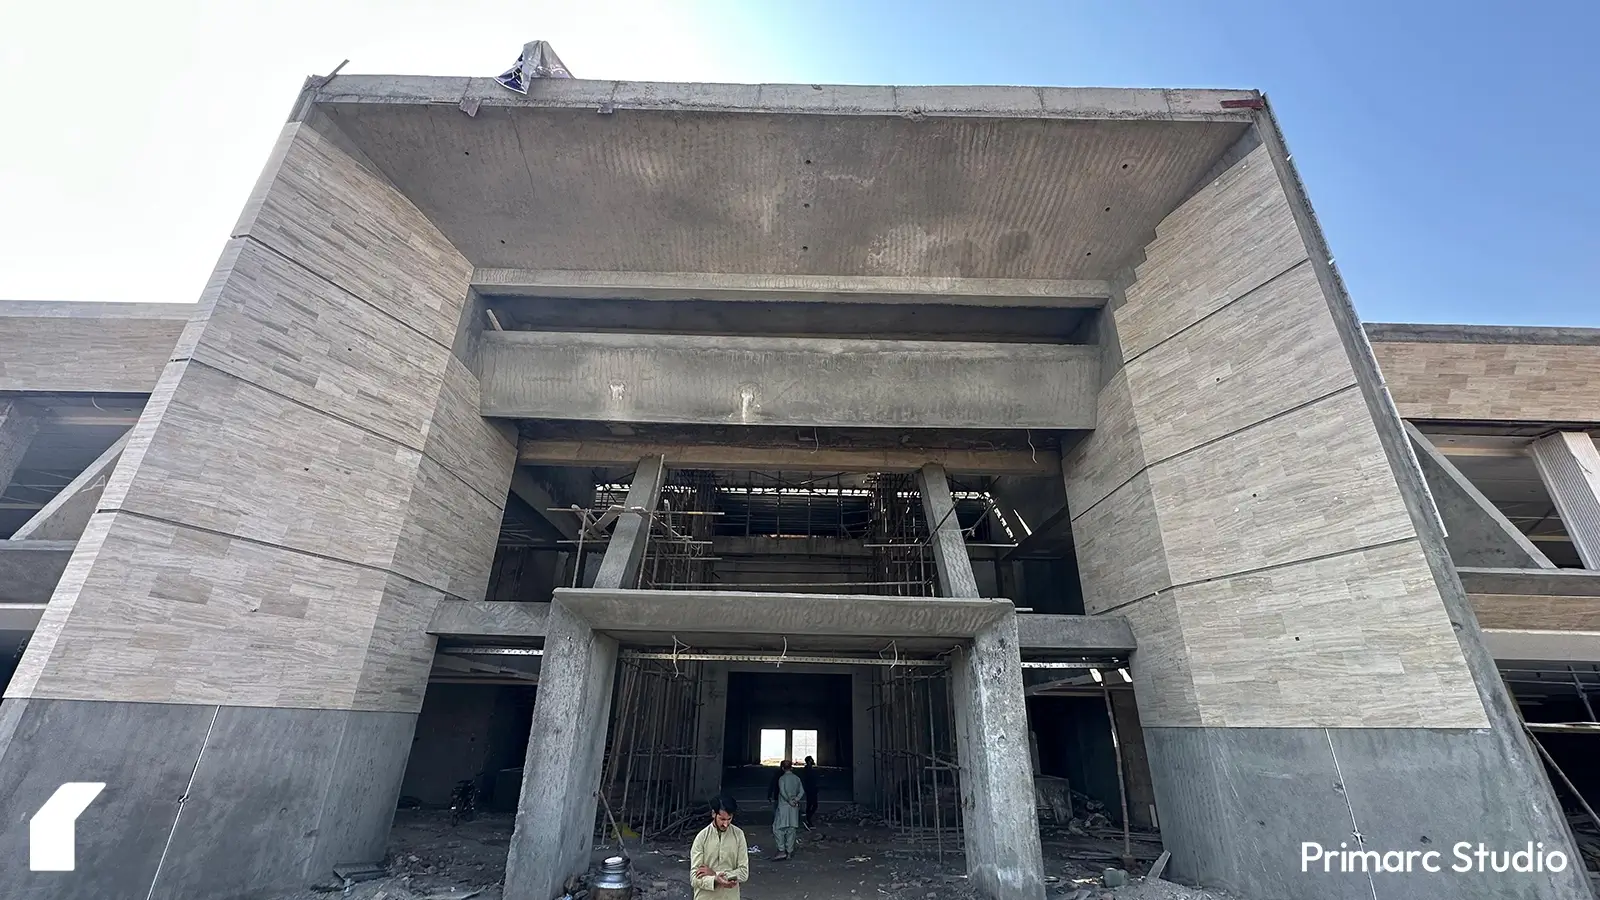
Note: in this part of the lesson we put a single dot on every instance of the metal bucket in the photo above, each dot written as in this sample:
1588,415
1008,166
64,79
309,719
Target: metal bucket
613,882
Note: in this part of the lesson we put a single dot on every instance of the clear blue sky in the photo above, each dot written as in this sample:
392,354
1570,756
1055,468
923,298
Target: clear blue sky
1451,149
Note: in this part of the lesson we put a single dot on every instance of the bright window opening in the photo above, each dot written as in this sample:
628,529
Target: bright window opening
805,744
772,745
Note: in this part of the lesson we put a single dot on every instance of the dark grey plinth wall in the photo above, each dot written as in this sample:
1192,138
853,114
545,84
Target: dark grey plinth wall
238,646
1307,668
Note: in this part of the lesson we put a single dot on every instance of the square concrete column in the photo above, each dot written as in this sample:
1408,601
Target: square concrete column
1570,466
1001,828
864,775
949,545
566,742
710,730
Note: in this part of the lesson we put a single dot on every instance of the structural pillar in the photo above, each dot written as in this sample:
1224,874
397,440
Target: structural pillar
998,820
566,742
863,772
710,730
1570,466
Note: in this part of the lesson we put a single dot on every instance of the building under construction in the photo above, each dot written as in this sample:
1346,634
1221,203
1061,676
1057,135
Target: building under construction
605,443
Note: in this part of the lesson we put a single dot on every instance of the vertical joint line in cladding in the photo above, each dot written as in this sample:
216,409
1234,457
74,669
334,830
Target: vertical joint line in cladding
183,801
1344,791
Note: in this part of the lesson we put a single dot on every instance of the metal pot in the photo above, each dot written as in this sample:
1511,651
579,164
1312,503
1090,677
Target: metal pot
613,882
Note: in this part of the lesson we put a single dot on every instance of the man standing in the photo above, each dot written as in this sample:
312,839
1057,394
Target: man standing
808,780
719,860
786,817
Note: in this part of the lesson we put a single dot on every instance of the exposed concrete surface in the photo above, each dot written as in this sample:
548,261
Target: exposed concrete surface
555,814
786,381
619,568
1544,646
794,458
1385,332
999,822
949,544
486,619
64,517
1104,634
1477,533
742,612
1535,582
323,774
19,422
1401,789
29,570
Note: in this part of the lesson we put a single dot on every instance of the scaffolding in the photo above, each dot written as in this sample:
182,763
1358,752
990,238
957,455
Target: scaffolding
902,558
916,769
648,776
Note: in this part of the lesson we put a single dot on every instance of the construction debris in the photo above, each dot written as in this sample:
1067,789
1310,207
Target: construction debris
538,60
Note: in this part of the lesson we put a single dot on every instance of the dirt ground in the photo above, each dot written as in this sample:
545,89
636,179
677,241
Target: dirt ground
432,860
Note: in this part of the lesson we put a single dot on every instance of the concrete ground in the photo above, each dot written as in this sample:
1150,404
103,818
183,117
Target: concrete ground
432,860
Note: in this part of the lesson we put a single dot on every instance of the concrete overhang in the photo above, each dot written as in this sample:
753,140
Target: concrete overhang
620,188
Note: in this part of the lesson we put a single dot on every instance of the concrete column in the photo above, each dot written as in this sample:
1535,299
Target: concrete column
1570,466
956,578
566,742
68,512
710,730
864,774
1478,534
19,422
1001,829
566,748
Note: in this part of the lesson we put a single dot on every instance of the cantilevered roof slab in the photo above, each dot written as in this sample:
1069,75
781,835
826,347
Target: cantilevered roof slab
789,180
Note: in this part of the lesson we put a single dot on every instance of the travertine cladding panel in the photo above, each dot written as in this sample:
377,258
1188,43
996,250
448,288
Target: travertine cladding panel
275,324
1243,515
85,353
1537,613
1310,483
1355,640
167,613
1492,382
315,205
301,490
1231,237
1282,351
1120,548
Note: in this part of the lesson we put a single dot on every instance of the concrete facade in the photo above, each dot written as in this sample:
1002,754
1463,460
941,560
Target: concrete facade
1105,320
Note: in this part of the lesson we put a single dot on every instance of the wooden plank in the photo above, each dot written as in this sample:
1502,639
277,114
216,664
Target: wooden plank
735,457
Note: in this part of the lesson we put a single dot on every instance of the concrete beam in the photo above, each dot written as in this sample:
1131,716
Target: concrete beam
19,422
20,617
735,457
537,496
1544,646
1531,582
1477,533
949,544
68,512
1569,463
620,566
787,381
29,570
1000,292
622,612
473,619
1091,104
1108,635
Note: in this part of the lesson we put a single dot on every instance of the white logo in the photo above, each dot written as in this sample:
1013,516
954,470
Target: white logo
52,832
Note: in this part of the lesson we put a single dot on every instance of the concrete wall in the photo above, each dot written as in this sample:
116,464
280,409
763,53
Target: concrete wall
1245,503
309,479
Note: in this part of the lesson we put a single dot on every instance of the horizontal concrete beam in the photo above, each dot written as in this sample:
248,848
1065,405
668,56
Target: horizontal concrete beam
787,381
999,292
1198,105
1089,635
29,570
1531,582
1543,646
19,617
1386,332
468,619
801,615
734,457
